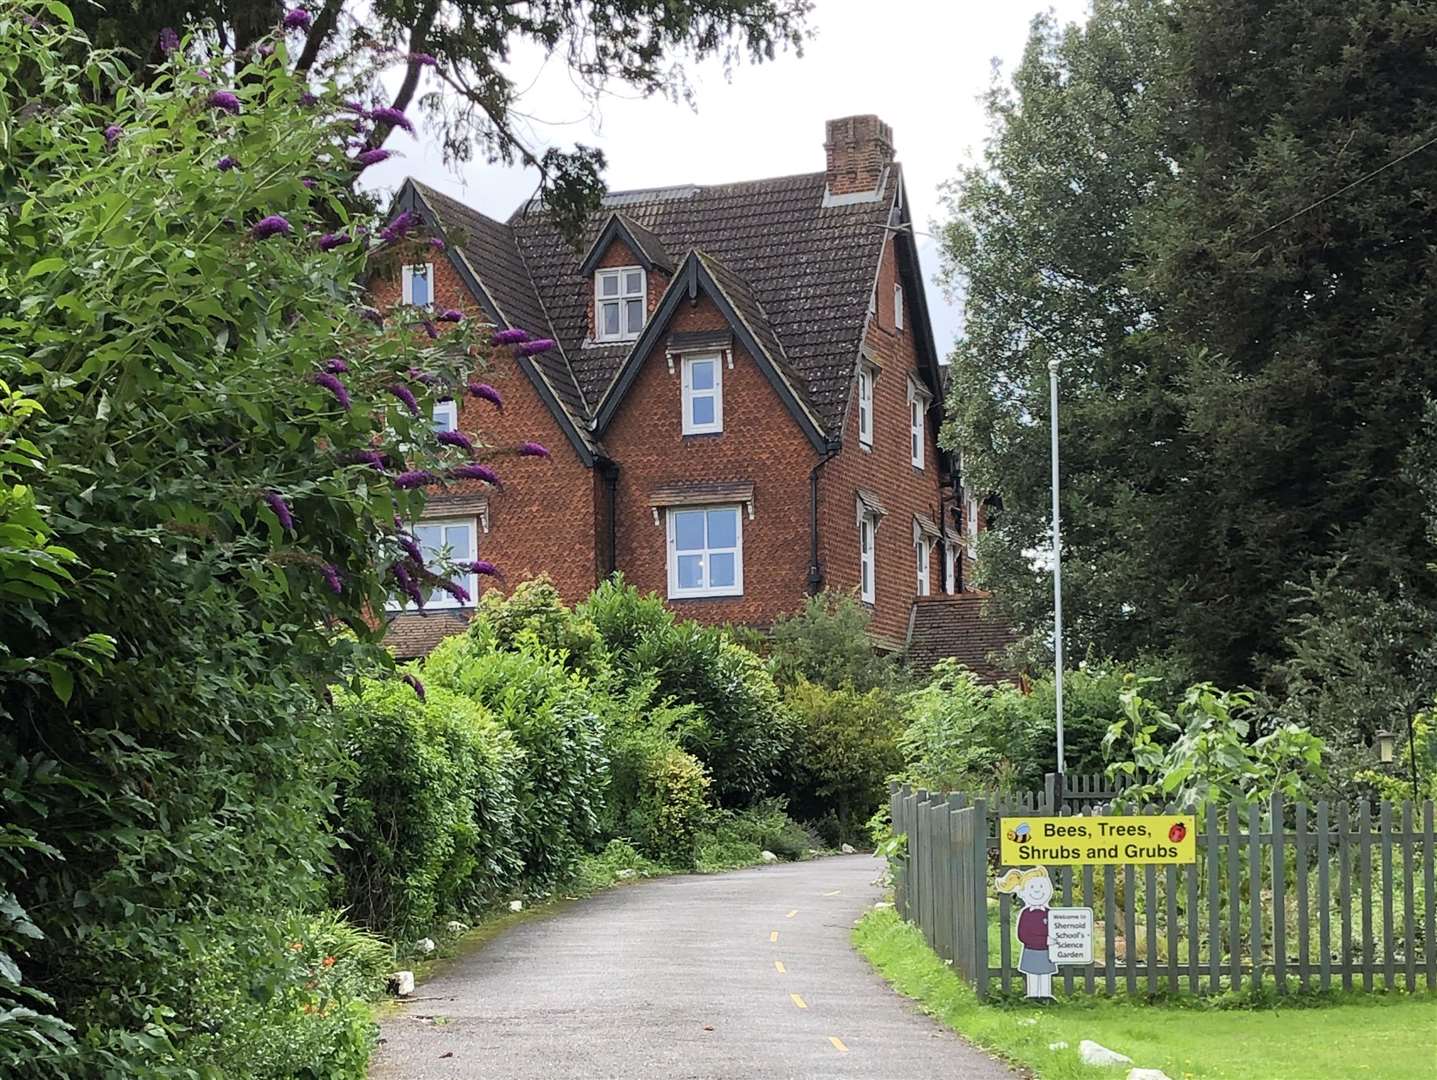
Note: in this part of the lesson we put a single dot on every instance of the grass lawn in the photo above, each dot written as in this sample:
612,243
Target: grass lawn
1393,1036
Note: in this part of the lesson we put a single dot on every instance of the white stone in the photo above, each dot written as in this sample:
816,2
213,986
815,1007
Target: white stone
1147,1074
626,873
454,926
847,849
516,905
1029,1022
402,983
1097,1054
881,905
768,857
1058,1046
424,945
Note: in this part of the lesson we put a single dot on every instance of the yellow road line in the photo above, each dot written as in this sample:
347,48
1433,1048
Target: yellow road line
838,1044
798,1001
835,892
791,914
773,935
778,967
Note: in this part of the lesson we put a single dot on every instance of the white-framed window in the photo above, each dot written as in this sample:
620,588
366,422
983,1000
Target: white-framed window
702,394
950,558
867,562
619,302
922,557
446,540
897,306
419,284
865,405
970,518
917,408
705,551
446,415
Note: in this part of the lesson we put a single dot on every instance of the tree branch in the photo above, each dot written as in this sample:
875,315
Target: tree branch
319,33
405,94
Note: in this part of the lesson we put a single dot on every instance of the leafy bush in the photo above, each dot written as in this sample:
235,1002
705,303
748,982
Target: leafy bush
562,774
673,805
827,643
533,614
739,837
619,861
1213,759
844,752
624,618
428,815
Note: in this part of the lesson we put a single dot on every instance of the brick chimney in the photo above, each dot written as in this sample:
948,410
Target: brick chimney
859,150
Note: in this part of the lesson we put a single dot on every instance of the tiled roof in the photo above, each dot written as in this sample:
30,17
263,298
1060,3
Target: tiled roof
809,269
412,635
958,626
490,249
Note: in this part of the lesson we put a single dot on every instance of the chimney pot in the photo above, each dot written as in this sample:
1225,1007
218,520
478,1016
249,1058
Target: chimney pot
859,151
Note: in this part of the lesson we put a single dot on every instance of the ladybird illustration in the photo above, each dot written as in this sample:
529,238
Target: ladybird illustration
1177,832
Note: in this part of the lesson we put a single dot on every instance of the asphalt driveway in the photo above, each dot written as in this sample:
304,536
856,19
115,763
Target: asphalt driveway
722,977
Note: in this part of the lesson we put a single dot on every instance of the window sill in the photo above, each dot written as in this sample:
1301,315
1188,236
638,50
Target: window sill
702,597
702,434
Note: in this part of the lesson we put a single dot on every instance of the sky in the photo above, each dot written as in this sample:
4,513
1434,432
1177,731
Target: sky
922,65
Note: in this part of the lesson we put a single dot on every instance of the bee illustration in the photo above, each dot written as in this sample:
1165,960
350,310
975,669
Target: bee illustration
1020,834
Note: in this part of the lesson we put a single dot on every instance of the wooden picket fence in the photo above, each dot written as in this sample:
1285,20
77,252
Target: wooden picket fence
1291,896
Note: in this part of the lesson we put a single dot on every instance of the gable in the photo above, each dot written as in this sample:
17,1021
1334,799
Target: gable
702,275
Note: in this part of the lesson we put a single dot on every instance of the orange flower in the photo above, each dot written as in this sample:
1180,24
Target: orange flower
295,946
328,961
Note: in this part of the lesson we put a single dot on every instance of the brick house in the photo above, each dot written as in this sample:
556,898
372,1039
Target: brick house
742,407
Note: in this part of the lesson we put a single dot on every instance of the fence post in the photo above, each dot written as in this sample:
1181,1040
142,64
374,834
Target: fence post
1279,910
979,854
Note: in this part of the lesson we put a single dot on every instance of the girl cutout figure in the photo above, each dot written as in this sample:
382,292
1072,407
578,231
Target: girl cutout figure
1035,889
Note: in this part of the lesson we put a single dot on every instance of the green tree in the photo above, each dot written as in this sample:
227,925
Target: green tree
449,57
828,643
1244,373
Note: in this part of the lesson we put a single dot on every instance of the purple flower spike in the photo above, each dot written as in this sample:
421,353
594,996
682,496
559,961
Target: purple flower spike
275,501
296,19
334,386
415,478
454,589
336,365
451,315
430,328
112,134
404,394
226,100
407,585
415,685
411,547
532,449
488,393
402,223
308,98
423,59
455,438
332,578
274,225
372,157
369,314
475,471
393,117
226,163
169,40
330,241
373,458
511,337
533,348
483,566
436,243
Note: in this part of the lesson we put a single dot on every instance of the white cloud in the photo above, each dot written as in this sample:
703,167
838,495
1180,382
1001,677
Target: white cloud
921,65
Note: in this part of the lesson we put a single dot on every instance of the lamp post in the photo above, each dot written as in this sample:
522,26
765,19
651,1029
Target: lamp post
1057,568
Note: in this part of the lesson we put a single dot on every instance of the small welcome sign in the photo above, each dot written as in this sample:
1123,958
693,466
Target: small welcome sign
1098,841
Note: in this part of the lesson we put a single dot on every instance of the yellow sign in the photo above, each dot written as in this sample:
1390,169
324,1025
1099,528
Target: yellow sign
1098,841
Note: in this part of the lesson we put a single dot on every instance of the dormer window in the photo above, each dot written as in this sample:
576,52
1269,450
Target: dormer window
619,302
419,284
865,406
703,394
897,306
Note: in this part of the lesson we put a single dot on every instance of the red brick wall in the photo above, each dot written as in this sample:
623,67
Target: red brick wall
856,149
544,520
759,443
886,470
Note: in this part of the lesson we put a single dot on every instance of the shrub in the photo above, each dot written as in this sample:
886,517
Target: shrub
624,617
428,814
739,837
827,643
562,775
673,805
845,750
533,614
